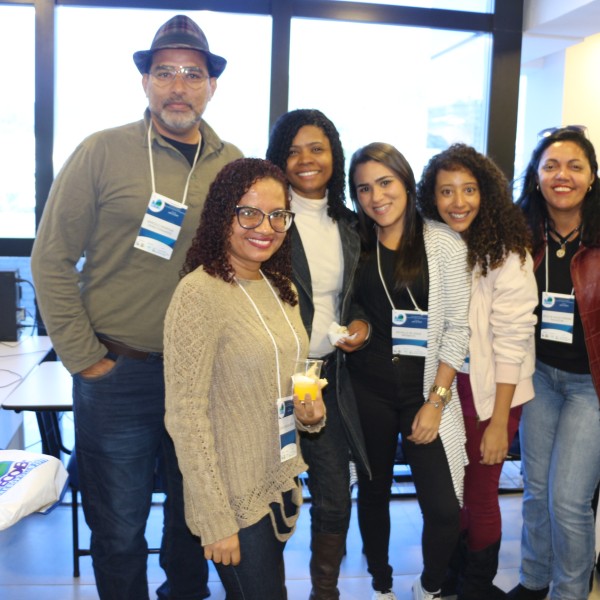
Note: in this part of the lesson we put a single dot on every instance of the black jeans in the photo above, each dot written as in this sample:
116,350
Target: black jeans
328,458
386,411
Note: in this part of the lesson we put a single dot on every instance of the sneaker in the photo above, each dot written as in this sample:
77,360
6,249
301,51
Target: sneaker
421,594
389,595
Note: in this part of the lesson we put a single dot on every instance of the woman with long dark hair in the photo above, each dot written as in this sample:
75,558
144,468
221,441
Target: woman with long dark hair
466,190
560,427
413,285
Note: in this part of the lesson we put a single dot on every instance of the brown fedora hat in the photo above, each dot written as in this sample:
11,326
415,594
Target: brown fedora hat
180,32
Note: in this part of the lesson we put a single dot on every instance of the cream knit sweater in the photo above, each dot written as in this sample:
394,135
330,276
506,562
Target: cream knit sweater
221,392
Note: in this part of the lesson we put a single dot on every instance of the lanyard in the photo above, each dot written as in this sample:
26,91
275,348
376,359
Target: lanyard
269,331
187,183
385,286
546,262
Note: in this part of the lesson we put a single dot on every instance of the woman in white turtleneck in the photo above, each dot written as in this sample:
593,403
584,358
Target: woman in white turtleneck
325,251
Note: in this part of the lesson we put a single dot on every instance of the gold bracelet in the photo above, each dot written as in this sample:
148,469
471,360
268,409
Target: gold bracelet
444,393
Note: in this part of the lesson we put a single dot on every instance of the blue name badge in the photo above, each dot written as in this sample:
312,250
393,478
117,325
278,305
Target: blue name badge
409,332
161,226
287,428
558,316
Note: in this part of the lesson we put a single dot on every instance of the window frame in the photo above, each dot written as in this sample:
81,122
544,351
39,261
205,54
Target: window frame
504,24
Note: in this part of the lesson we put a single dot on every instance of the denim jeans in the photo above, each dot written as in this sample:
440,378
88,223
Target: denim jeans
560,450
260,575
119,434
327,455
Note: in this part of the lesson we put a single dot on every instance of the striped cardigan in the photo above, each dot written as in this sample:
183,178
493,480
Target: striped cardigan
448,332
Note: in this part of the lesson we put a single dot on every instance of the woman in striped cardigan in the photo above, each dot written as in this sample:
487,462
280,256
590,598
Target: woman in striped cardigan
413,285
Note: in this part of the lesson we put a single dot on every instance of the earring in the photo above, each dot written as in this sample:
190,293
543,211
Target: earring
589,189
537,187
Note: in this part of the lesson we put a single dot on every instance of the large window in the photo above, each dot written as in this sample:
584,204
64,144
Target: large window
415,73
418,89
96,90
17,147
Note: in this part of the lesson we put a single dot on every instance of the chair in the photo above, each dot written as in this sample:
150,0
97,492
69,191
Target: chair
78,551
50,433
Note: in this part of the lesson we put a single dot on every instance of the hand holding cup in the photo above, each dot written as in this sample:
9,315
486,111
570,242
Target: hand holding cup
308,402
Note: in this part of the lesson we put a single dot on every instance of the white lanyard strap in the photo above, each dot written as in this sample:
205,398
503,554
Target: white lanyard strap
385,286
269,331
187,183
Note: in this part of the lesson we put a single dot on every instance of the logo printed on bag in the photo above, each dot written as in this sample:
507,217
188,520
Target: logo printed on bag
12,472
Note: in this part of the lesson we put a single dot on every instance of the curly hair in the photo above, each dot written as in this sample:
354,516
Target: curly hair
410,255
499,227
280,141
532,201
210,246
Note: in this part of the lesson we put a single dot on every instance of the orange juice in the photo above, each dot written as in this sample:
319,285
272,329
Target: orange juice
306,386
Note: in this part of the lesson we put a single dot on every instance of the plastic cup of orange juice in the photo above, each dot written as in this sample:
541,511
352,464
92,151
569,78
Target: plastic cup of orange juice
306,378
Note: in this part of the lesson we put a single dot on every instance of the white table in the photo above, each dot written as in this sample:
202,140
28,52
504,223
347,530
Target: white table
17,359
47,387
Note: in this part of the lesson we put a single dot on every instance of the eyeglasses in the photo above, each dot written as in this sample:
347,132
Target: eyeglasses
250,217
165,75
544,133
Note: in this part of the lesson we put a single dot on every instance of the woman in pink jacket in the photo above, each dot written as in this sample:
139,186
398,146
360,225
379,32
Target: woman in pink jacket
469,192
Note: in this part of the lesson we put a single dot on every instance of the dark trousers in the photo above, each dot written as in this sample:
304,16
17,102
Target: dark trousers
260,575
385,412
328,458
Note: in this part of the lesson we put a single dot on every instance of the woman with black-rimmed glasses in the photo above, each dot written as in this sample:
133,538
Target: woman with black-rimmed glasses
560,427
232,335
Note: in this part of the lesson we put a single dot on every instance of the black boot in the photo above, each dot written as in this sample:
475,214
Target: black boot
456,567
327,552
481,568
522,593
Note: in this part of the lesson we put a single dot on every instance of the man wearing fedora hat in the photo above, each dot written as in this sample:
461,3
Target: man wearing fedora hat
129,199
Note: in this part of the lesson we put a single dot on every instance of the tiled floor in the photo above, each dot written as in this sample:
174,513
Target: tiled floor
36,559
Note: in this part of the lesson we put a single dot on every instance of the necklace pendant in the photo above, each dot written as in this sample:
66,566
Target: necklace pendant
561,252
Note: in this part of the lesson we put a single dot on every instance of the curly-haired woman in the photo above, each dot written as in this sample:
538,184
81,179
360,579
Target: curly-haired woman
232,334
560,427
468,191
325,251
413,284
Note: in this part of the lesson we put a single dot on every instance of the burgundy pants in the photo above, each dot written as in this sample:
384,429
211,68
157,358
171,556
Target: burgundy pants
480,515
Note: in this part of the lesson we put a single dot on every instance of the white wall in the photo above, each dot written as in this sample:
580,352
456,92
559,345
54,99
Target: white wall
581,89
560,89
560,62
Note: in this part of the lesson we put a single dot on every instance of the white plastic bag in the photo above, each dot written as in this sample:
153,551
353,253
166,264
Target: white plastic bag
29,483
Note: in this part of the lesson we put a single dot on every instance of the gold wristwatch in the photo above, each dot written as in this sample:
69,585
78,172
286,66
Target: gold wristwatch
444,393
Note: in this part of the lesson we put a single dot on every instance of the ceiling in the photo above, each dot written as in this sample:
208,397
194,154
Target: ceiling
550,26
